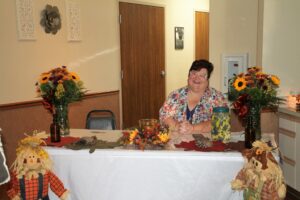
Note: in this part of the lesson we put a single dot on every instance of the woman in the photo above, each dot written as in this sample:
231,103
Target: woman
189,109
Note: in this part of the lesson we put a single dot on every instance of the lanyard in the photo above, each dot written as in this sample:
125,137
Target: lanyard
189,113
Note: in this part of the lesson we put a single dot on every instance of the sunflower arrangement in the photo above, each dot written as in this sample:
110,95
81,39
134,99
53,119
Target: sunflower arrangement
253,88
59,87
146,138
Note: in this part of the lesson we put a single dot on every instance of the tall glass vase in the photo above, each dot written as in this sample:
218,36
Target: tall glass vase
253,121
62,119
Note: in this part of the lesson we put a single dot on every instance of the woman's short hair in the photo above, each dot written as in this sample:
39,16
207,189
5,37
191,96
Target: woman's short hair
197,65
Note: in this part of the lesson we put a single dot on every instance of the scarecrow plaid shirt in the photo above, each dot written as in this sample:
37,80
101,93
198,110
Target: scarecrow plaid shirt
176,105
32,186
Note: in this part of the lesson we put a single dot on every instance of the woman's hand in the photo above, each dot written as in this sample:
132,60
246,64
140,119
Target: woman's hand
173,124
204,127
185,127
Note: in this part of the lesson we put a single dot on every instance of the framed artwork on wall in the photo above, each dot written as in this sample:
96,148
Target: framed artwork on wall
179,37
25,20
73,20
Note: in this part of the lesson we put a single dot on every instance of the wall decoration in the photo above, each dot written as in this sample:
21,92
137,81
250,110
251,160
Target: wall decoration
51,20
179,33
25,20
73,19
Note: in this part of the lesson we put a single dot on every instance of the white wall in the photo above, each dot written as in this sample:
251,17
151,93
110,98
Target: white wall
266,29
178,62
233,30
281,43
97,57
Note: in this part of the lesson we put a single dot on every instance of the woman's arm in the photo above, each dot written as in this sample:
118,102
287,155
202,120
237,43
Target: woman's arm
171,123
168,110
203,127
187,128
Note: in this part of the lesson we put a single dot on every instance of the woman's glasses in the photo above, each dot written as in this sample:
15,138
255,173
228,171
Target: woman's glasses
194,74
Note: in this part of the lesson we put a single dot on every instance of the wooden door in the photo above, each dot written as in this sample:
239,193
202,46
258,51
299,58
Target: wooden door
202,35
142,61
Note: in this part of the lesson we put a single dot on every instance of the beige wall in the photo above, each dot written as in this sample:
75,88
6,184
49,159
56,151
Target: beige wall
233,30
281,43
266,29
96,58
178,62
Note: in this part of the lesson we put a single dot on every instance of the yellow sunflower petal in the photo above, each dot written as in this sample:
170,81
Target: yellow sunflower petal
74,76
275,80
240,84
44,78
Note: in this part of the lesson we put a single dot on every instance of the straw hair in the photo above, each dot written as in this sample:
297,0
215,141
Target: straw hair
28,146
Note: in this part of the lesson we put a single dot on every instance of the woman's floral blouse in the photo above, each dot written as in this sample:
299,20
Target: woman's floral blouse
176,104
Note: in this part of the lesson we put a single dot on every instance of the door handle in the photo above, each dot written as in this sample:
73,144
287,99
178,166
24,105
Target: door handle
163,73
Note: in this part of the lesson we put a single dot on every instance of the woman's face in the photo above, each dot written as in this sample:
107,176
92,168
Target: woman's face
197,80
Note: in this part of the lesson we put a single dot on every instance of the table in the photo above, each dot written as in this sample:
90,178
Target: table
116,174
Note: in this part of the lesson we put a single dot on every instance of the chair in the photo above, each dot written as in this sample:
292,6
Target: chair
100,119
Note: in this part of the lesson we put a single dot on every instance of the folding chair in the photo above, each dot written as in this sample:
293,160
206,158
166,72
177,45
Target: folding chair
101,119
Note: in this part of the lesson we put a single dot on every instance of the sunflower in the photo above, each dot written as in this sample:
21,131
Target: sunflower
133,134
44,78
267,86
275,80
164,137
74,76
240,84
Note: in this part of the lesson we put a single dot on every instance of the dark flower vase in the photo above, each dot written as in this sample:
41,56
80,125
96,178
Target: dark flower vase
62,119
253,128
54,130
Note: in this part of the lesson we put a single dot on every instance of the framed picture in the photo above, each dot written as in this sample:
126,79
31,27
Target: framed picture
73,20
179,37
25,20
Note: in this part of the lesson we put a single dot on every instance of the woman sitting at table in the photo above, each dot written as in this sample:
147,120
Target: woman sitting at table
189,109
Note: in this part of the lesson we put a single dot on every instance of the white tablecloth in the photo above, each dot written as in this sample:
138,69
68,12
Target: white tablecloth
118,174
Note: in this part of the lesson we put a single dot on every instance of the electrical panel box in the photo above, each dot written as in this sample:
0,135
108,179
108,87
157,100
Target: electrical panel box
232,64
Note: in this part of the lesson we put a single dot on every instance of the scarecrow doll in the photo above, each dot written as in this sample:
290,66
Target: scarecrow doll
261,177
31,173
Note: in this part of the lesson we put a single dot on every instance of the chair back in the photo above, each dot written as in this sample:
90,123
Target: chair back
100,119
